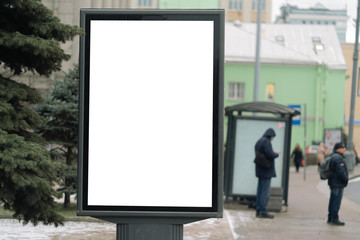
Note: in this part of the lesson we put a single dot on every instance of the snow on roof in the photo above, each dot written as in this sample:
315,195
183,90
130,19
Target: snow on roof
284,44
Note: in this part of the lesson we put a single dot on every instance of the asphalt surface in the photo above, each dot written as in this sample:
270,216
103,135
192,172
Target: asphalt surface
352,191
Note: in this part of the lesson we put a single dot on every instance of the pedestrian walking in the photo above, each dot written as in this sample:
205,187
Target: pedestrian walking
298,157
321,153
337,182
264,174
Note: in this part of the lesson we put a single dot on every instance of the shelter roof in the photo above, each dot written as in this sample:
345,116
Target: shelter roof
263,107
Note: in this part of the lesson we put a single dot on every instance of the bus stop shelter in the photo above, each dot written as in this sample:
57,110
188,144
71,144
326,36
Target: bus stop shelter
246,123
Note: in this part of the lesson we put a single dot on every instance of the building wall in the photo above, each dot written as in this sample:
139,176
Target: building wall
348,50
338,18
321,90
68,11
246,13
338,21
189,4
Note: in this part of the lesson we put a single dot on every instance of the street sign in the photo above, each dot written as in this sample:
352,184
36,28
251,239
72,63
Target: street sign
296,121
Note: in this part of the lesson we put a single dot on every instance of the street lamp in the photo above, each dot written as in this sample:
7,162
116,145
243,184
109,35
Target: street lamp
350,154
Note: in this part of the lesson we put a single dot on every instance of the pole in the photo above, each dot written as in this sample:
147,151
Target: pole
257,58
305,159
350,155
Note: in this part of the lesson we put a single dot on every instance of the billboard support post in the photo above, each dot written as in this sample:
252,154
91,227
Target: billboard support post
149,231
151,119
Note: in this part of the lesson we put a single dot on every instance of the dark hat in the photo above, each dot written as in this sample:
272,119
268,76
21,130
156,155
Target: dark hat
339,145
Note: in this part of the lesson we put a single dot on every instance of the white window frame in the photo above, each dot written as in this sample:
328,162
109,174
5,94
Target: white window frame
236,90
280,39
144,3
235,5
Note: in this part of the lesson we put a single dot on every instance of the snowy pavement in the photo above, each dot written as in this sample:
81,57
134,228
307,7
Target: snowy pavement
13,230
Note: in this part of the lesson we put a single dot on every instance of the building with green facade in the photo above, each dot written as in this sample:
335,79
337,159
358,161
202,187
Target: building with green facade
300,65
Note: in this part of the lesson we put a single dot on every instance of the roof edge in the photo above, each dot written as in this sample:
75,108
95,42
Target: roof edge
265,107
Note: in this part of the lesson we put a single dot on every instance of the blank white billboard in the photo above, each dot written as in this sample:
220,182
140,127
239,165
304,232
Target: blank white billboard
150,132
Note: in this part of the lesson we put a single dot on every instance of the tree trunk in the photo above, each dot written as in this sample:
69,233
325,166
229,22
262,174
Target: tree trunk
68,163
66,200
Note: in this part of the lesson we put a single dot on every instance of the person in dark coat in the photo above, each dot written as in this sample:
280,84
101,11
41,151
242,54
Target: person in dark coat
264,175
298,157
337,182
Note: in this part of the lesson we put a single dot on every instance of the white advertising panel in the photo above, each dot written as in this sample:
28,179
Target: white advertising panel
248,132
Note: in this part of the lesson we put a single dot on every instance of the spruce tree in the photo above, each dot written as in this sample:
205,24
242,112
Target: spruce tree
30,38
61,112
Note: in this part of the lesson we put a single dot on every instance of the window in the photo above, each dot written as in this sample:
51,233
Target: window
144,3
318,46
270,92
341,24
316,40
235,4
254,5
236,90
280,40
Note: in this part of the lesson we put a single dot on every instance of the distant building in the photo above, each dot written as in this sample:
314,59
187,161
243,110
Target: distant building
246,10
318,15
188,4
300,64
348,50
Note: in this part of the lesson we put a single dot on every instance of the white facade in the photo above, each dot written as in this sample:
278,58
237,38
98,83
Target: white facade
317,15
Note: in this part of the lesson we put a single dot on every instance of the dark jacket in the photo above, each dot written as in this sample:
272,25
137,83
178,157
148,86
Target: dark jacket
265,147
340,177
297,155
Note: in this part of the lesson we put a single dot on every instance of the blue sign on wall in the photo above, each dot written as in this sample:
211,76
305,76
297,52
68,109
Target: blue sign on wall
296,121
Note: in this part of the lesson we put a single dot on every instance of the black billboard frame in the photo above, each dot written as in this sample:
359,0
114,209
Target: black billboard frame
124,213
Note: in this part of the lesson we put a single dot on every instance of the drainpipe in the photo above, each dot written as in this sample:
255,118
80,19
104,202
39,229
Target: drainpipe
317,100
323,99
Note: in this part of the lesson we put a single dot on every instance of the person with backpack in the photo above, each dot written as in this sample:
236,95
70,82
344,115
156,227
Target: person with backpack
337,182
265,173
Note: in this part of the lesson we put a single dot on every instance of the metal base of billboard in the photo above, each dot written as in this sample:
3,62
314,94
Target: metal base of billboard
139,228
149,231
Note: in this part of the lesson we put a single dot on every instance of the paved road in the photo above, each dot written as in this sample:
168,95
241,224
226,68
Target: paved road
352,190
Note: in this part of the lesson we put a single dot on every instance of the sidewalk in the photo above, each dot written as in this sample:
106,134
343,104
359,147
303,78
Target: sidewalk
304,218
